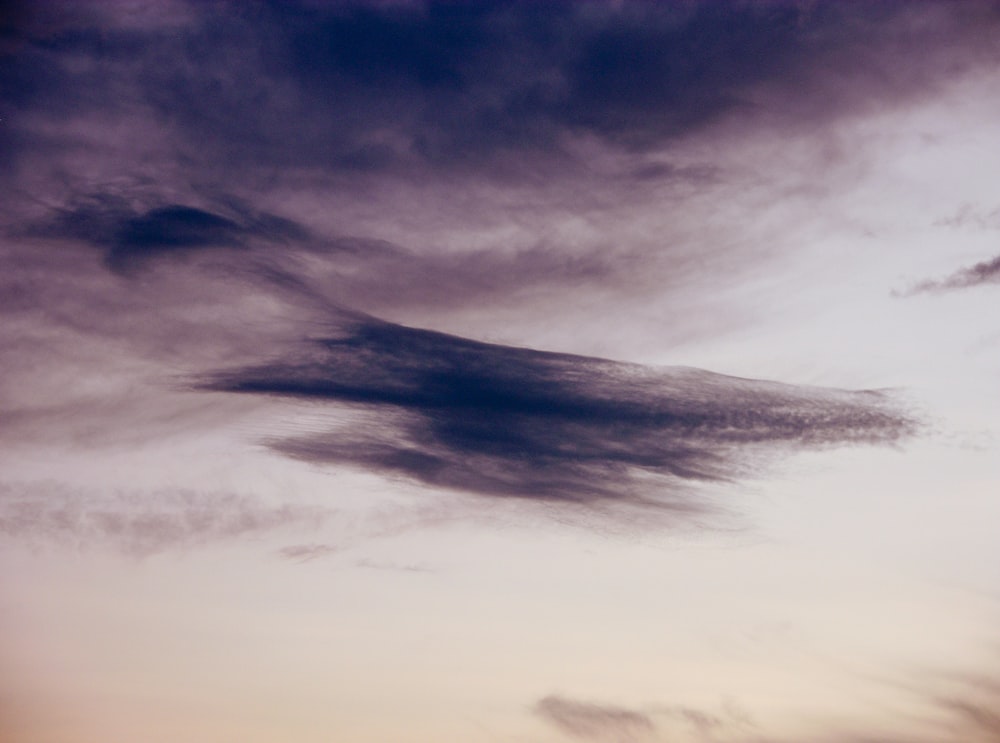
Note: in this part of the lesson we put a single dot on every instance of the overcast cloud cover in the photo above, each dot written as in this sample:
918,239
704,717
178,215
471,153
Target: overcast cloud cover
465,272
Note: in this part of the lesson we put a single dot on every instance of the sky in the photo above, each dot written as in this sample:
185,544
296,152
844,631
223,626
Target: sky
521,372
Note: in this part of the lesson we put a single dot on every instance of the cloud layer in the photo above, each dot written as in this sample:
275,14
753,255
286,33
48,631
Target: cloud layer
359,232
405,87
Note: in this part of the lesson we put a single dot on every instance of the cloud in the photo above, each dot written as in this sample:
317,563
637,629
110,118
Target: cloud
980,718
509,422
439,410
944,708
973,705
393,567
130,237
136,228
701,722
967,713
359,88
381,276
984,272
141,524
333,98
307,552
970,216
949,708
590,721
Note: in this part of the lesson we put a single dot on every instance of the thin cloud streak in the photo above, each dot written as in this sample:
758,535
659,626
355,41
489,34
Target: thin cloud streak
965,713
982,273
307,552
142,524
589,720
597,722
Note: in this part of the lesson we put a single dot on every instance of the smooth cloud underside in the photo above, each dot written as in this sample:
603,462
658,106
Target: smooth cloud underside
517,423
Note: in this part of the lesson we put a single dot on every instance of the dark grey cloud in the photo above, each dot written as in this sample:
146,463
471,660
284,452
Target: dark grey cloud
141,524
591,721
204,309
517,423
440,410
346,89
130,236
982,273
368,87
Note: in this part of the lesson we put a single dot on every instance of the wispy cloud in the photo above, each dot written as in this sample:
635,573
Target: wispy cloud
972,706
592,721
984,272
972,216
588,720
948,708
393,566
141,524
517,423
130,236
952,708
308,552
